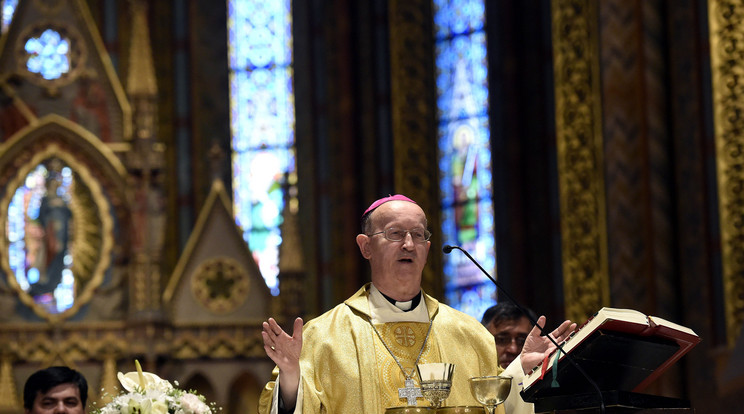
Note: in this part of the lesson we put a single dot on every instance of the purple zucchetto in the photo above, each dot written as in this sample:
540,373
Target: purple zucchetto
378,203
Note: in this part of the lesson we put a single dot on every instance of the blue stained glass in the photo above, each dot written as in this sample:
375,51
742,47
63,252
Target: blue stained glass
260,33
458,17
263,109
9,7
30,253
48,55
262,123
465,152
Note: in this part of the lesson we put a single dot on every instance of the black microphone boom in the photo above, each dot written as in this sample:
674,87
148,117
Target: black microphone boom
447,249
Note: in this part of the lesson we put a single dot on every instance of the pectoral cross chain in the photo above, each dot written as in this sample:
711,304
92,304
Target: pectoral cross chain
410,392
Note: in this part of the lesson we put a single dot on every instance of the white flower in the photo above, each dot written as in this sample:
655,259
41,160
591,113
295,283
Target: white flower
149,394
131,382
191,404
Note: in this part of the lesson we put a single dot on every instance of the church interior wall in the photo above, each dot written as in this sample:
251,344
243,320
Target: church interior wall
658,149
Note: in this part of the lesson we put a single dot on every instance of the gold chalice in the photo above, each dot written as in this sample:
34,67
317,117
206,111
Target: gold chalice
436,381
490,391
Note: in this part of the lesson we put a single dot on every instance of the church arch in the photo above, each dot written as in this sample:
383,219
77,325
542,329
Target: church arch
81,249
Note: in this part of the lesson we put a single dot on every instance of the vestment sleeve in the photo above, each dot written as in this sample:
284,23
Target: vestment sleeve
514,404
268,402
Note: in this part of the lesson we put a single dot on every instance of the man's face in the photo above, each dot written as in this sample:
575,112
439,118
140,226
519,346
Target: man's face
64,398
509,337
396,265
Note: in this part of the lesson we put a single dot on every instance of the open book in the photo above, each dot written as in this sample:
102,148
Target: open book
620,349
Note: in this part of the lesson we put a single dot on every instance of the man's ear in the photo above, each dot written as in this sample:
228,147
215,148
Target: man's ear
363,243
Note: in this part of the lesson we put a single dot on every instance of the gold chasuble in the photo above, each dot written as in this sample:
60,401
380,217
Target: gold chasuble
346,368
406,340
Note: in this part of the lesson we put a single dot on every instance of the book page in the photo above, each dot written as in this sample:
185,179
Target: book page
629,315
657,321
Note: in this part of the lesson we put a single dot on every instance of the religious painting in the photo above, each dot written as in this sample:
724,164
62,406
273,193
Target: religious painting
58,234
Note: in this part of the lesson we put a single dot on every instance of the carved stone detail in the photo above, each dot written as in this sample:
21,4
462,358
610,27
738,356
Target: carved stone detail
220,285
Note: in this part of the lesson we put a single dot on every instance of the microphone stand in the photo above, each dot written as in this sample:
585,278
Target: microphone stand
447,249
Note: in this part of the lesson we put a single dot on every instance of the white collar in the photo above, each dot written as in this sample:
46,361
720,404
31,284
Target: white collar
382,311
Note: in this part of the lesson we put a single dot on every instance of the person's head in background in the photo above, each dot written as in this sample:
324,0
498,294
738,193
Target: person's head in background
55,390
509,327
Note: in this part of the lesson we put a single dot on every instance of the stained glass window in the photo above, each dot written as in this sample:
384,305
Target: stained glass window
9,7
262,123
39,223
465,152
48,55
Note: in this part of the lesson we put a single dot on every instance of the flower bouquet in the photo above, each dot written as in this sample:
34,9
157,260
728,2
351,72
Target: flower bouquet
146,393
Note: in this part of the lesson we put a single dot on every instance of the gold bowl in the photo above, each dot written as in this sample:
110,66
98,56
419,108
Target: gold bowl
410,410
461,409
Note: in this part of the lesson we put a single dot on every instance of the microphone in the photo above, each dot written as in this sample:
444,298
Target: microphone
447,249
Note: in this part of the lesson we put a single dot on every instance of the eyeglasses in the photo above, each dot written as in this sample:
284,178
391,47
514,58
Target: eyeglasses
506,340
395,234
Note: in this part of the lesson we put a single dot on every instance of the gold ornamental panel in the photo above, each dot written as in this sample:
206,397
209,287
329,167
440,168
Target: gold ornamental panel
727,66
220,285
413,117
56,245
580,169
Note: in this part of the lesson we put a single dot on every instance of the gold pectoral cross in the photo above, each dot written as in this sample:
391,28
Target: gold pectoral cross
410,392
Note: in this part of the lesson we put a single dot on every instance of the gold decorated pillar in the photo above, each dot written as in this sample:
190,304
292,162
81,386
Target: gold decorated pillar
580,162
727,66
413,118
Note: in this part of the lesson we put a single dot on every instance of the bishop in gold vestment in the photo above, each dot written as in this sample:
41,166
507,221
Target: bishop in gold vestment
358,357
346,369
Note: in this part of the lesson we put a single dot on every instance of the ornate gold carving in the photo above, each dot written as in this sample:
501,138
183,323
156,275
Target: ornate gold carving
220,284
580,170
105,341
92,233
727,65
412,101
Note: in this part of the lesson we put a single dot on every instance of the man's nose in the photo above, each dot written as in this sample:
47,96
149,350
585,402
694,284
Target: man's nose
513,347
408,243
60,408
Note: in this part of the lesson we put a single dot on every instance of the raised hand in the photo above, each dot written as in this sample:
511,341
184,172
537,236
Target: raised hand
285,350
537,347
